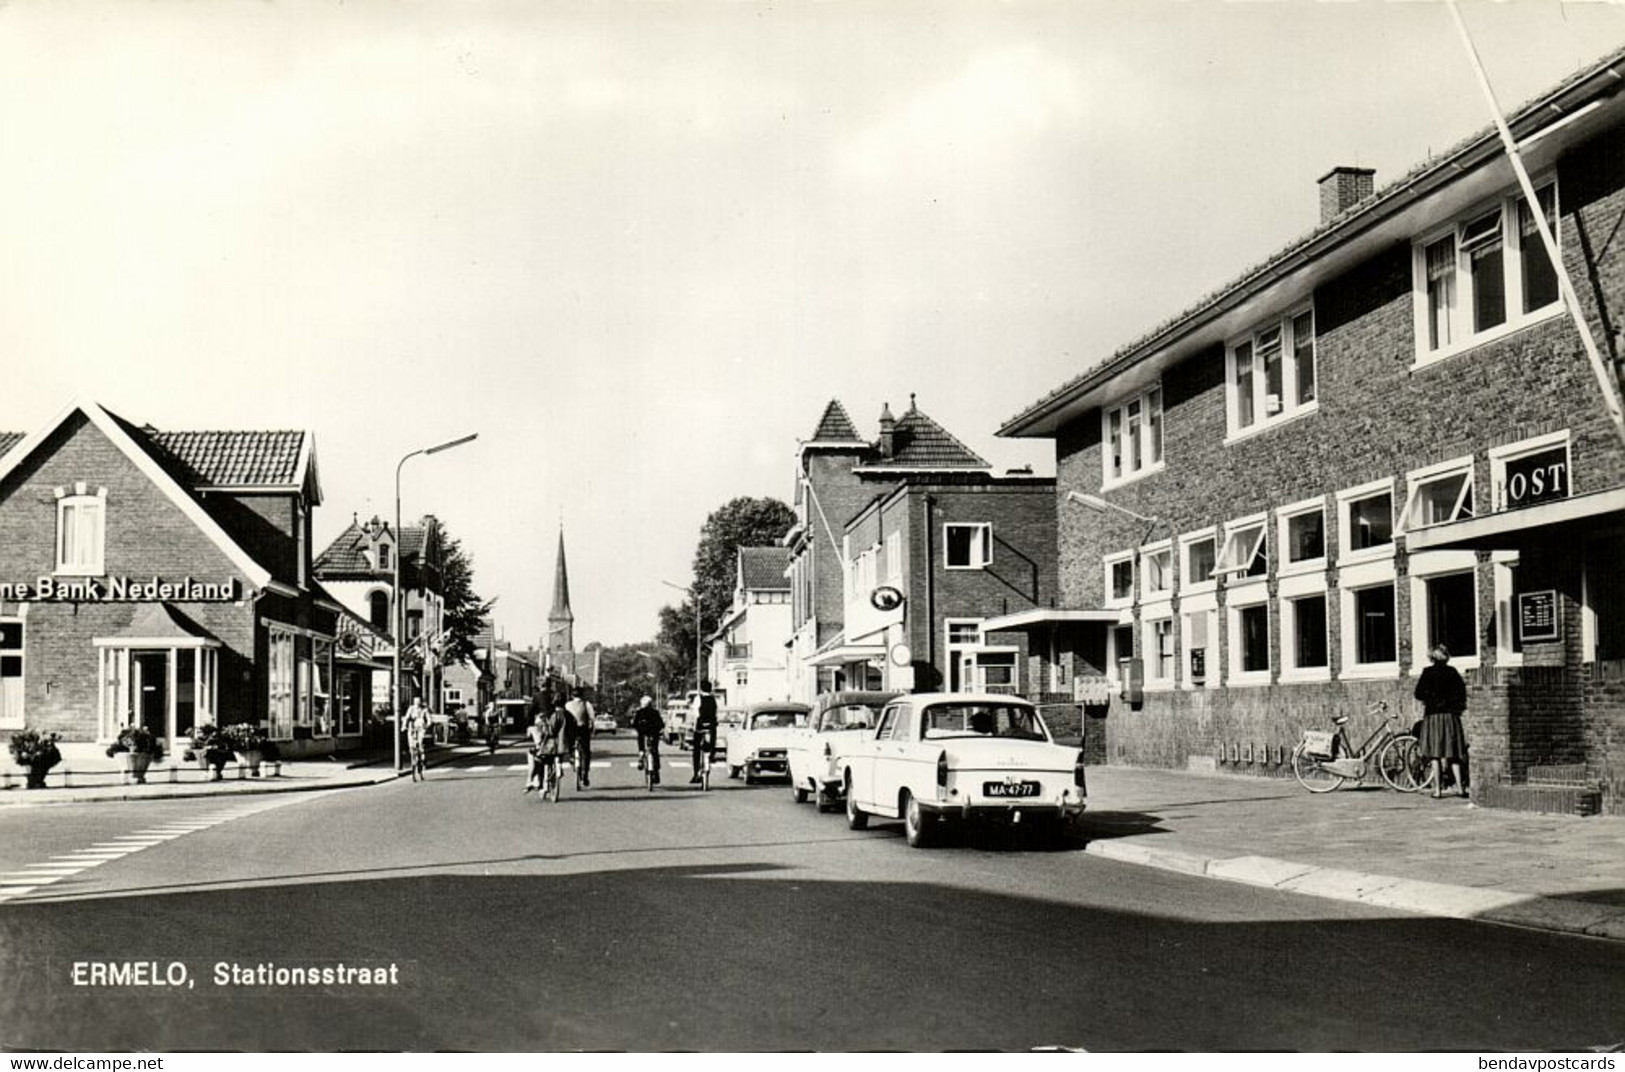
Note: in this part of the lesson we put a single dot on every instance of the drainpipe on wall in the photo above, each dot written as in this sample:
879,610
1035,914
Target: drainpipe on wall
930,589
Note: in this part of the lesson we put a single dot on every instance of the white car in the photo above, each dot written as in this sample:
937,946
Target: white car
841,721
760,745
603,723
942,757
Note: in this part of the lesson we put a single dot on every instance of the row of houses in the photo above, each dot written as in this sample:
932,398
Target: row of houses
1386,436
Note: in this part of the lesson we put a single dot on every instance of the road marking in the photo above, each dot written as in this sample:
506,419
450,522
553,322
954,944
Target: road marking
480,770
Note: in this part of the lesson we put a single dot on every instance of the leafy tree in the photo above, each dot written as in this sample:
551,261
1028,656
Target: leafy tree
465,610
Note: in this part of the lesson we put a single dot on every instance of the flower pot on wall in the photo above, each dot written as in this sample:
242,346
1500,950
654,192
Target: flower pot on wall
251,759
37,773
135,765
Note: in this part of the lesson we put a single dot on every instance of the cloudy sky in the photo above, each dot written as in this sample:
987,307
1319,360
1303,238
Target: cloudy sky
638,246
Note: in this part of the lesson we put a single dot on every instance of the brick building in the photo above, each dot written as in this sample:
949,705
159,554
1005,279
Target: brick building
162,578
903,552
1385,436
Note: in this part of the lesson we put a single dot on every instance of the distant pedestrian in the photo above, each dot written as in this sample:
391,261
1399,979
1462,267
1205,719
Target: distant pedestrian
415,725
1444,698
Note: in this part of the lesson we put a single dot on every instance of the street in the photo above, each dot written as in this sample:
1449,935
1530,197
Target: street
676,920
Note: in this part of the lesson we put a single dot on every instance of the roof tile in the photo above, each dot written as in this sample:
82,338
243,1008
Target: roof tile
762,568
835,426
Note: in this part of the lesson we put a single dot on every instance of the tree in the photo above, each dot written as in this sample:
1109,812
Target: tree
465,611
741,522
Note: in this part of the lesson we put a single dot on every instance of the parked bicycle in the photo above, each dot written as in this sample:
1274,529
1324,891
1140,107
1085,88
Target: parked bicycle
1324,759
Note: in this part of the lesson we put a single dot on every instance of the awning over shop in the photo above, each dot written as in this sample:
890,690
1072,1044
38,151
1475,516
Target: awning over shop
155,625
1579,515
1040,617
848,653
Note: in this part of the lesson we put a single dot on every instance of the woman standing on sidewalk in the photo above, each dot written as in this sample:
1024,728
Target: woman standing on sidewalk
1444,698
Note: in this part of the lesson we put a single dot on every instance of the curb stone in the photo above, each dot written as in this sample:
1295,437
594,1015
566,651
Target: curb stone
1502,907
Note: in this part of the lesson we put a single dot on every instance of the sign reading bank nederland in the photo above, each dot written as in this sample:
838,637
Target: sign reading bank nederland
120,590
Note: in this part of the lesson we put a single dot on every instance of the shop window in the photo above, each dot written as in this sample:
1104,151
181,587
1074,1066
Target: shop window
1303,535
968,546
1483,275
1244,552
1120,580
1439,495
1121,649
11,674
1504,631
322,714
1159,652
280,671
1270,374
1374,626
81,531
1132,438
1304,634
1451,604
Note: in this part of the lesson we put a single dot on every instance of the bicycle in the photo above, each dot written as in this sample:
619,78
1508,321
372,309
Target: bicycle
1323,760
578,760
552,777
705,751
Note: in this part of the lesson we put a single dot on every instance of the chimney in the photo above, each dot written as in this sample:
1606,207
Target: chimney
1342,188
888,426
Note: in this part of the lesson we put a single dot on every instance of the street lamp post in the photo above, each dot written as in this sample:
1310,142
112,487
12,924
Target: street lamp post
694,599
398,615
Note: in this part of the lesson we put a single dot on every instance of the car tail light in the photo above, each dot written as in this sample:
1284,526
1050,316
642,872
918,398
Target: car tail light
942,769
828,753
1078,778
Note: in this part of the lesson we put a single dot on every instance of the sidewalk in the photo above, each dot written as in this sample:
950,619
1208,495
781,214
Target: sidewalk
1375,846
91,781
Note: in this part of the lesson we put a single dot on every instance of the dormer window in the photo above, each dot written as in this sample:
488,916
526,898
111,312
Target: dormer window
383,557
81,531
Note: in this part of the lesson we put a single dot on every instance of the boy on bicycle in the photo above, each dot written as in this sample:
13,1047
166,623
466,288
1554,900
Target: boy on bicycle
705,730
647,724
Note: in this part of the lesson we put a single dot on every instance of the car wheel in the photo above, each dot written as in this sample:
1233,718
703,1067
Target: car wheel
800,792
823,800
919,828
733,772
856,818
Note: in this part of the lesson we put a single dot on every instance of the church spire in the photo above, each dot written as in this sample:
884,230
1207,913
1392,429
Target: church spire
560,641
561,588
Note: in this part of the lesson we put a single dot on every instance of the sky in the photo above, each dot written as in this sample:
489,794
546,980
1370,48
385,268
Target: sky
637,247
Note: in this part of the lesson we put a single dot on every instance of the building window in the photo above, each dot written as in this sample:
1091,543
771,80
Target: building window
1132,438
1159,652
1485,274
1249,644
383,557
1439,494
1157,576
1244,552
968,546
1303,635
1201,556
1120,649
1270,374
280,684
1367,516
1201,631
81,531
1451,606
1303,536
1374,626
1120,580
1531,471
378,611
11,674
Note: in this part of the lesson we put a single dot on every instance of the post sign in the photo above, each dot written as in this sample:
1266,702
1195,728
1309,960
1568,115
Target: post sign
1537,616
1538,477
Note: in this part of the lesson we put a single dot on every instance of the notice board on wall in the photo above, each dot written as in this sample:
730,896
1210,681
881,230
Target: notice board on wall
1537,616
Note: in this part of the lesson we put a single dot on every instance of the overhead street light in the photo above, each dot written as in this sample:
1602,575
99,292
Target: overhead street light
398,614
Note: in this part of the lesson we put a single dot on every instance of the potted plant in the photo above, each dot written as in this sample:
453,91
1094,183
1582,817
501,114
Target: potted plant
246,742
207,750
140,748
36,751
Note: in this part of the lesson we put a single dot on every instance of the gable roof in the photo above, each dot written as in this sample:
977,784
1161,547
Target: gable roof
762,568
346,554
1553,108
918,442
132,443
836,427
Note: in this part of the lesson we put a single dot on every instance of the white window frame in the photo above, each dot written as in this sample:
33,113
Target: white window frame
83,501
1234,574
1503,567
1189,607
1151,443
1418,479
894,556
276,668
1288,406
1283,518
1463,337
1165,550
1150,621
18,718
1114,657
1422,568
1187,540
1238,600
1290,590
1499,456
1353,579
1110,601
986,528
1347,498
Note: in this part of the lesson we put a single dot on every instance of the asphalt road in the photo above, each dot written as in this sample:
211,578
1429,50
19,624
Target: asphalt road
733,920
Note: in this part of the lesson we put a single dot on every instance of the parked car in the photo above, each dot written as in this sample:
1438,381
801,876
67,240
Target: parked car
760,745
939,758
841,720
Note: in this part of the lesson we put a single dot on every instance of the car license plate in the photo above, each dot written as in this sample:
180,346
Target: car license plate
1009,789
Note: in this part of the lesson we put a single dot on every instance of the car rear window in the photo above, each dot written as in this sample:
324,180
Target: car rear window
1010,721
849,717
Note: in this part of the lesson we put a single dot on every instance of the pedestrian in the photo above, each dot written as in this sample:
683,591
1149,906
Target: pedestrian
414,727
536,733
1444,698
581,713
647,724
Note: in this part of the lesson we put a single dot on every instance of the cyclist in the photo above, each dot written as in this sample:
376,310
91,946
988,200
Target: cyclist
414,726
705,729
581,712
546,744
647,723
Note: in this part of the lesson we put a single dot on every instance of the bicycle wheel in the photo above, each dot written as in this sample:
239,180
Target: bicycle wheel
1400,766
1311,774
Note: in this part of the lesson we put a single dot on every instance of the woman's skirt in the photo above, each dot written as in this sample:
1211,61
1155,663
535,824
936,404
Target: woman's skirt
1442,737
